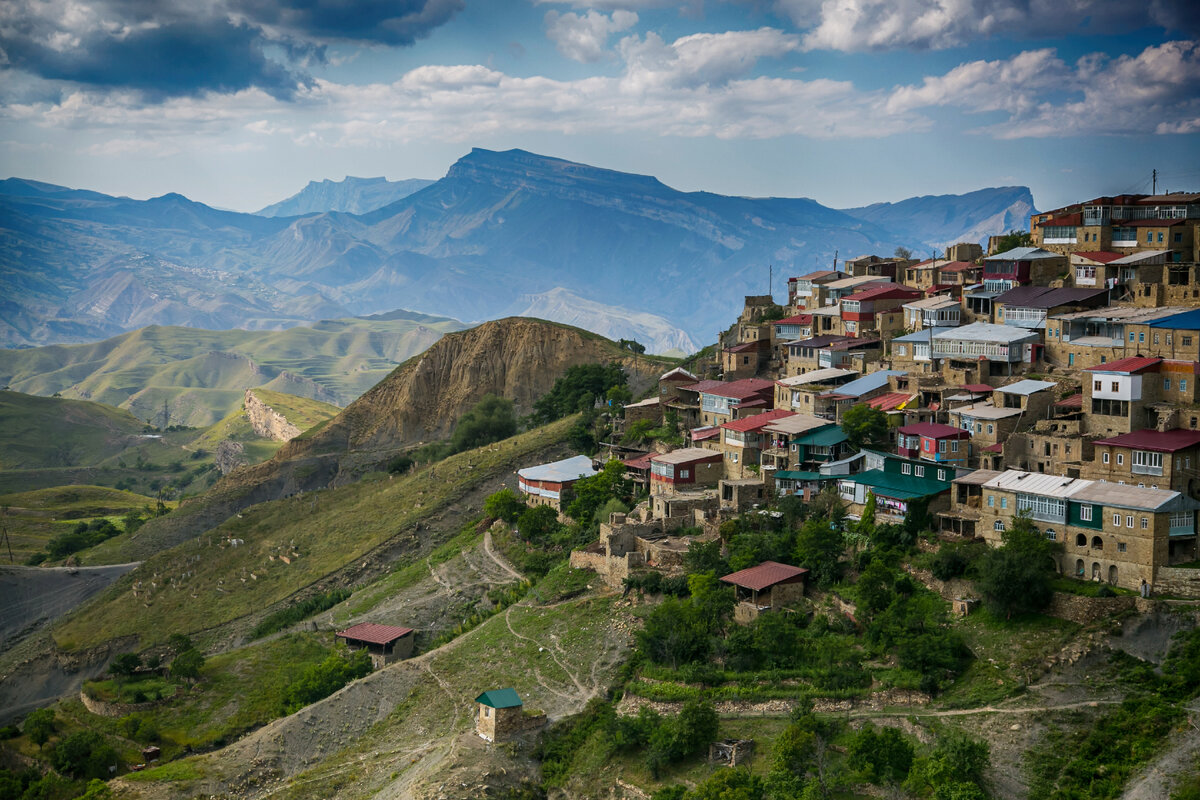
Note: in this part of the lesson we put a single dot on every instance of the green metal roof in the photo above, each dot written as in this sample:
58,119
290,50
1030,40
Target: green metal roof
822,437
900,487
794,475
500,698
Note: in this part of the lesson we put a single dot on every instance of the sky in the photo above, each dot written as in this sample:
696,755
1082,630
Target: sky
849,102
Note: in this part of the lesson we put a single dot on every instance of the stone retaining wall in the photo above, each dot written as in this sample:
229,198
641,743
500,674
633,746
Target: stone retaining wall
104,708
1083,610
1178,582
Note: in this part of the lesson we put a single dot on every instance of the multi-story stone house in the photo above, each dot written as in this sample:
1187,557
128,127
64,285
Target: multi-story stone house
743,440
1123,223
795,393
685,469
1029,306
982,350
874,266
801,289
723,402
801,442
939,311
931,441
1158,459
1022,266
1083,339
865,314
1141,392
1109,532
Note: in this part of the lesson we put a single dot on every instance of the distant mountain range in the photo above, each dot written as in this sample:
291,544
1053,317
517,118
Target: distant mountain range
352,195
498,229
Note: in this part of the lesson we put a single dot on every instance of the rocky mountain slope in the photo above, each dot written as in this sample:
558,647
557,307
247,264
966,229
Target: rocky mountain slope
946,219
194,377
352,195
497,228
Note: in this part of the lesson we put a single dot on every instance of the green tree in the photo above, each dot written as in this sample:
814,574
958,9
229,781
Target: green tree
819,546
729,784
123,667
179,642
1016,577
39,725
84,754
489,420
537,524
504,505
631,345
589,494
577,389
675,633
187,665
1013,239
882,756
865,426
641,430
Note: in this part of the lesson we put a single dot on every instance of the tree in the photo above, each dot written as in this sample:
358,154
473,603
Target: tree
1016,577
489,420
537,524
631,345
883,756
39,725
179,642
865,426
84,754
123,667
819,547
902,253
592,493
729,784
187,665
1013,239
504,505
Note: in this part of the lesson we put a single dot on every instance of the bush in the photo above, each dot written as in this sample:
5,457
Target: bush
505,505
300,611
323,679
84,754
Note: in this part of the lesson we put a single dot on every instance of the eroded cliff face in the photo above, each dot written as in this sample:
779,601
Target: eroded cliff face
517,358
266,421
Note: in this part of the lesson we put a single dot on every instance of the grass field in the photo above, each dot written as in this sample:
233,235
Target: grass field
206,582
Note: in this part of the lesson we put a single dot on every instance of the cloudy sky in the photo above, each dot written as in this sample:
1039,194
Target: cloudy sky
239,103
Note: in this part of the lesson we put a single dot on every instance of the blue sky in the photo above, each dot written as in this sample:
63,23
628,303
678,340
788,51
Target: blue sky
239,104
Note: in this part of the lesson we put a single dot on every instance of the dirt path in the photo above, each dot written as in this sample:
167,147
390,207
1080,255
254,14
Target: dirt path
584,693
500,560
962,712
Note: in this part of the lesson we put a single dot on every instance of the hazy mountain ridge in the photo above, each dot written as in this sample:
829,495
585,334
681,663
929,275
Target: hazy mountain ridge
352,195
499,227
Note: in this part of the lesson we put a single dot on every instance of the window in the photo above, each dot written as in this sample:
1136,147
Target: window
1004,502
1105,458
1051,535
954,446
1096,386
998,525
979,427
1183,384
1097,543
683,473
1080,540
1149,237
906,469
1156,342
1116,520
990,428
941,474
1167,384
991,501
1085,513
1178,238
733,457
1131,336
1186,341
1129,521
1142,336
1145,523
1116,386
1041,507
919,472
1120,458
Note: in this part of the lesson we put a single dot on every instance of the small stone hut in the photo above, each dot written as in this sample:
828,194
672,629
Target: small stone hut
499,714
386,643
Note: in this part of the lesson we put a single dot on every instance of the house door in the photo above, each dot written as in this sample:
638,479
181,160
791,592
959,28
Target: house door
1112,574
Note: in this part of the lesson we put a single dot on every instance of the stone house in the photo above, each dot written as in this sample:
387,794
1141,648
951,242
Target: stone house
721,402
385,643
1083,339
865,313
800,289
743,440
802,443
1034,398
1022,266
685,469
1110,532
544,484
1029,306
769,586
931,441
745,359
1158,459
499,715
964,252
982,350
833,403
989,427
939,311
961,273
790,392
650,409
896,482
669,383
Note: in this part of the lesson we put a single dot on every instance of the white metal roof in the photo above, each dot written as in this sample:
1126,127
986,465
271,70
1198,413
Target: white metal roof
977,477
986,412
1126,496
1015,480
938,301
1023,254
797,423
816,376
568,469
826,311
1027,387
649,401
986,332
685,454
1142,257
1130,314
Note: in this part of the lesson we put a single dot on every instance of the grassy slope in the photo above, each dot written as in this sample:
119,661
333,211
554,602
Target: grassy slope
201,374
55,432
203,583
300,411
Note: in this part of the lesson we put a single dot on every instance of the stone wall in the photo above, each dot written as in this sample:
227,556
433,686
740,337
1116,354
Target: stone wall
1178,582
1083,610
105,708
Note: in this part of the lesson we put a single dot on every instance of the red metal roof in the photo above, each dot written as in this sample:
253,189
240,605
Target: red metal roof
757,421
1074,401
799,319
998,447
743,347
1063,221
1130,365
821,273
1160,441
702,434
374,634
933,430
883,293
765,574
740,390
959,266
887,402
639,462
703,386
1101,256
977,388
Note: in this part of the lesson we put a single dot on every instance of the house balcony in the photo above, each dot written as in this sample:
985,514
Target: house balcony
1143,469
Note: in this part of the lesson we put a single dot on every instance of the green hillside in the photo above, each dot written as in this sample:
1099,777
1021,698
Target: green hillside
194,377
57,432
302,412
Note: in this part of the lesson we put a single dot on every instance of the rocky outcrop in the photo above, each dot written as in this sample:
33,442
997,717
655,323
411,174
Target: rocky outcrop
229,456
266,421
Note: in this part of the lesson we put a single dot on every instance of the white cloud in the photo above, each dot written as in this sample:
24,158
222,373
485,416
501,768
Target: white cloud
1156,91
859,25
699,59
584,37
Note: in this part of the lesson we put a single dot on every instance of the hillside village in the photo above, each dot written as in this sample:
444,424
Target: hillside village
1056,377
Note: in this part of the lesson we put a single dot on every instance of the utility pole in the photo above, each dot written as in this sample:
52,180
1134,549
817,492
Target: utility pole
4,532
835,255
1153,181
771,281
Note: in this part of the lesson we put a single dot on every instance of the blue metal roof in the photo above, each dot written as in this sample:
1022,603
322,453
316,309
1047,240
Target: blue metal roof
1188,320
867,383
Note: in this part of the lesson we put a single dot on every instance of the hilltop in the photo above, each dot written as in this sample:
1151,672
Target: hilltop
352,195
170,375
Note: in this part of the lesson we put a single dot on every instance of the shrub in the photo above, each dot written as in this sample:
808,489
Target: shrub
323,679
300,611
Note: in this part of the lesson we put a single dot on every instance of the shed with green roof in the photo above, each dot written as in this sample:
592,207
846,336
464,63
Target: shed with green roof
499,714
